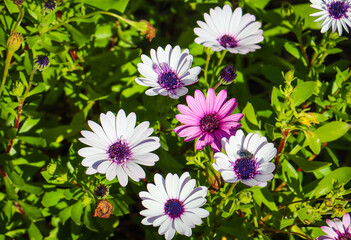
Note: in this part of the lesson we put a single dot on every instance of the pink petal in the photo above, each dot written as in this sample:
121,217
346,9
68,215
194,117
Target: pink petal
200,99
233,118
220,99
186,119
346,220
216,145
210,100
194,106
200,144
227,108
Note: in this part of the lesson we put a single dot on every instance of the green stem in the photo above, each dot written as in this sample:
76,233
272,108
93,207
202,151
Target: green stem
206,66
225,198
19,20
20,105
7,65
217,85
76,19
221,59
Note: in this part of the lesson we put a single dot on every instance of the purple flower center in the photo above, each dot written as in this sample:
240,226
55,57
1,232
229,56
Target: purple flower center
344,236
119,152
245,167
227,41
228,74
209,123
174,208
167,78
338,9
50,5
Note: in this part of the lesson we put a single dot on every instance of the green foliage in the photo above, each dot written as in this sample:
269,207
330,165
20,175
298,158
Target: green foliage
295,91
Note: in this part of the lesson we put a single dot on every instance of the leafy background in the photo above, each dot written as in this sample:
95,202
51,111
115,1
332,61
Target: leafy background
295,91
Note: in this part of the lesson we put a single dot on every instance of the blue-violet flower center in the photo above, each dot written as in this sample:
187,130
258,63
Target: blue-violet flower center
174,208
338,9
119,152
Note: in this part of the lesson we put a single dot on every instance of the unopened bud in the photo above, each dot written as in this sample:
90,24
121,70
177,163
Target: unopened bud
227,75
14,42
287,9
289,76
42,62
245,197
101,190
338,210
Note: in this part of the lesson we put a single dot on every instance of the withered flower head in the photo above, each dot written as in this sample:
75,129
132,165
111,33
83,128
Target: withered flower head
14,42
148,29
103,209
18,2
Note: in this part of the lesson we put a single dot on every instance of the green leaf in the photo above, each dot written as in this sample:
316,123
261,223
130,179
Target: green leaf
249,121
10,190
35,141
341,175
258,4
119,5
263,195
308,166
313,142
76,212
88,219
34,232
291,177
31,211
292,49
305,215
286,222
80,38
331,131
52,198
302,92
65,214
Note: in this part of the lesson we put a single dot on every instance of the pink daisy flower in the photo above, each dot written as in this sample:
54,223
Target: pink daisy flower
208,119
337,230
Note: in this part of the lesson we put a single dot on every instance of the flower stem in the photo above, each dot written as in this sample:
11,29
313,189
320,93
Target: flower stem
221,59
7,64
208,57
19,20
217,85
20,105
225,198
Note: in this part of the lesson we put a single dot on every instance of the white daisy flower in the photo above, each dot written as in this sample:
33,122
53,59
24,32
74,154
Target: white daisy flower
246,159
118,147
173,204
228,30
167,72
335,13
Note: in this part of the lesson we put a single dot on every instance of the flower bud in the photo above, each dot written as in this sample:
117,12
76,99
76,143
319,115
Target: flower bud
245,197
227,75
50,5
339,210
287,9
101,190
42,62
14,42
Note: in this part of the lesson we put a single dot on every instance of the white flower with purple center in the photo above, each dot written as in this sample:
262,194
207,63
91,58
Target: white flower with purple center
335,13
117,147
224,29
167,72
246,159
173,204
337,230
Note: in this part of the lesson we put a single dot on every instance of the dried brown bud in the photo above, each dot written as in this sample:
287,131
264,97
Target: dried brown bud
103,209
148,29
18,2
